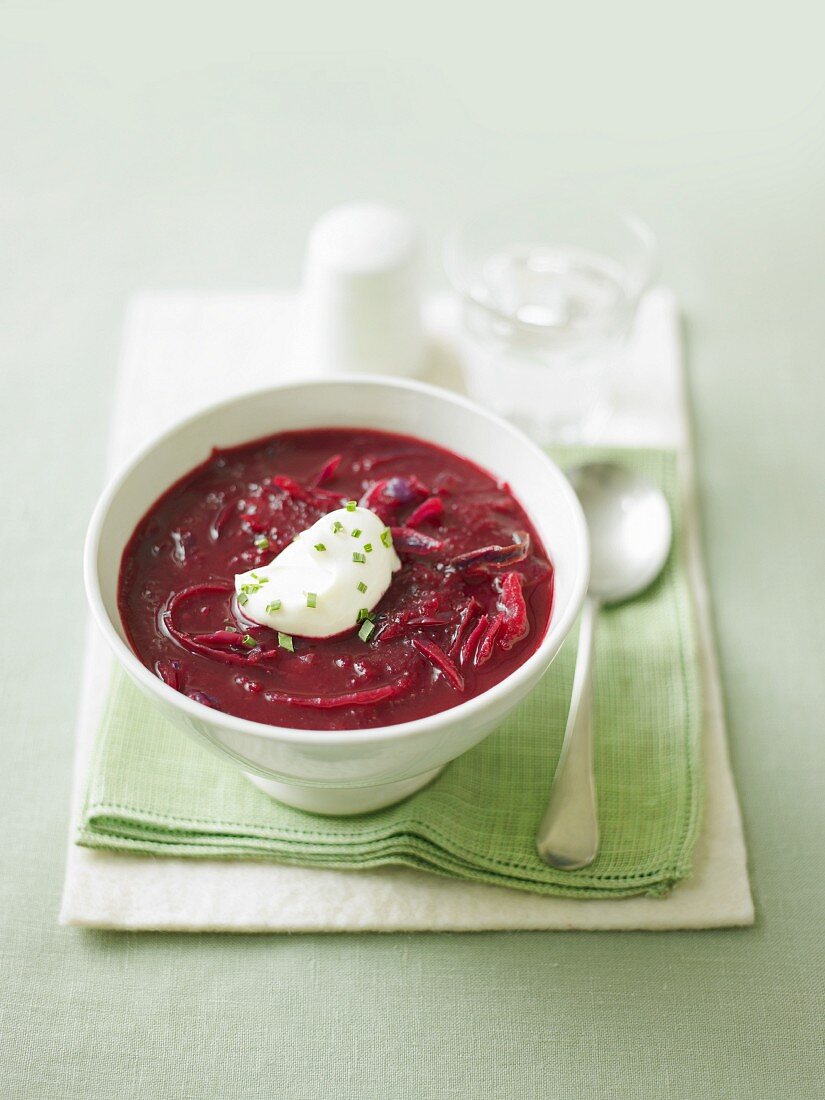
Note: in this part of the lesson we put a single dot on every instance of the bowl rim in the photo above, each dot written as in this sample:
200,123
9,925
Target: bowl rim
431,723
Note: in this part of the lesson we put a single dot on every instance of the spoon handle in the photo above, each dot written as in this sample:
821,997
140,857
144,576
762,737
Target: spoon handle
568,836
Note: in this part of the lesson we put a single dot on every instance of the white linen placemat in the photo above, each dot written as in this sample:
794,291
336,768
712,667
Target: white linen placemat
181,352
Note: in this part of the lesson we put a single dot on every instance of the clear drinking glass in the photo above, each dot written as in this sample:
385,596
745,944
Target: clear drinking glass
549,291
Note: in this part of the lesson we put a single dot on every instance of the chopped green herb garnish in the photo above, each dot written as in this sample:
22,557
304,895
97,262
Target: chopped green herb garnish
249,641
386,537
337,526
274,606
262,542
362,587
285,642
248,588
356,533
364,613
367,630
360,558
351,505
320,546
243,598
312,599
368,547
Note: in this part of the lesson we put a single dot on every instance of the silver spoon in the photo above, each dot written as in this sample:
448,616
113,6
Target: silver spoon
630,536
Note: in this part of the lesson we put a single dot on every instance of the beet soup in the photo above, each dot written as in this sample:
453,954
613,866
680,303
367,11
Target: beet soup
469,604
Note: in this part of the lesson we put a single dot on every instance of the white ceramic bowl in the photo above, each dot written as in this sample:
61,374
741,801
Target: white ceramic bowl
350,771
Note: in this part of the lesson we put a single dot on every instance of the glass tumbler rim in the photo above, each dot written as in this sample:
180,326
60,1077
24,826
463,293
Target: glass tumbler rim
460,270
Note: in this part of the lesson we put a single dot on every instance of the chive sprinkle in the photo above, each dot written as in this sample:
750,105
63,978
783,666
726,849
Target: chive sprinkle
312,599
356,533
320,546
274,606
249,641
243,598
262,542
367,630
360,558
368,547
362,587
337,526
363,613
351,505
285,642
386,537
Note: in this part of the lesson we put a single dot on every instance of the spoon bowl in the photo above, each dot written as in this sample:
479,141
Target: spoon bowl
630,529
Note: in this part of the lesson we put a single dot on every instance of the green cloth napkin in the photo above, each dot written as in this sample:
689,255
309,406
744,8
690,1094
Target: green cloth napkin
153,790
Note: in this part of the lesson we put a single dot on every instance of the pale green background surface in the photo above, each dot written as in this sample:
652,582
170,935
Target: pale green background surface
191,148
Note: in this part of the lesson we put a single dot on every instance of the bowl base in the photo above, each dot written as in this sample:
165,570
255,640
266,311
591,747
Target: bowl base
341,801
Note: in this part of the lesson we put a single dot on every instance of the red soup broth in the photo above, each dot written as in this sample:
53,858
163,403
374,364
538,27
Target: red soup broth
470,603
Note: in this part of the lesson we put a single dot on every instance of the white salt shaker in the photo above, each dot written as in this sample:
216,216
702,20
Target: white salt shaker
360,307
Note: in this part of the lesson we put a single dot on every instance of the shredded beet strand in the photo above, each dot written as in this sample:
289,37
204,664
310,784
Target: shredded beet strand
202,589
469,643
193,644
488,640
415,542
228,656
258,655
392,492
168,673
439,659
327,471
515,623
431,620
290,486
220,637
361,698
495,557
467,613
431,509
489,558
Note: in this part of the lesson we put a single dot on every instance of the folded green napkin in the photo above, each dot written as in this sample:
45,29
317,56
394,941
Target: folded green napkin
153,790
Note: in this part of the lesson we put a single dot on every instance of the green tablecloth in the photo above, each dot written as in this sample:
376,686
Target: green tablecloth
182,151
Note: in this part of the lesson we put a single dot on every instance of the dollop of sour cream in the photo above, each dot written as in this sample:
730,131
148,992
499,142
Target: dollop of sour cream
325,581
